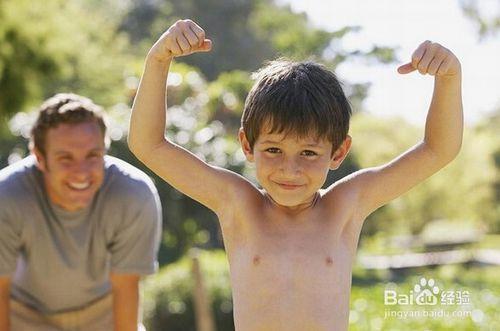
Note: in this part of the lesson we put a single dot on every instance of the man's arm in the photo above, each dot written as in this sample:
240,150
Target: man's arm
442,140
4,303
125,289
209,185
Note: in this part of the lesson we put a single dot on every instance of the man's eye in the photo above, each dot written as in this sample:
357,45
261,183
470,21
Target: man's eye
273,150
309,153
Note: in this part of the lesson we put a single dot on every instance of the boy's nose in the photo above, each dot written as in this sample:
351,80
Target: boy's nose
290,167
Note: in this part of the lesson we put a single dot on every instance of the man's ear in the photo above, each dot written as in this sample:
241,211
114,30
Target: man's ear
245,145
41,162
340,154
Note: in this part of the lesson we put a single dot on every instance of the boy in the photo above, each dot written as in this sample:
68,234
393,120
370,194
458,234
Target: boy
291,245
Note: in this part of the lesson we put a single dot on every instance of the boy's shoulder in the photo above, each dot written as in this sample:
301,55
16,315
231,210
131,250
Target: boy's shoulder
247,197
344,189
343,195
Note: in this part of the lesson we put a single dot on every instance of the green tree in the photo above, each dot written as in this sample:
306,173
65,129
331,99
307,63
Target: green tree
245,33
487,23
490,141
463,191
49,46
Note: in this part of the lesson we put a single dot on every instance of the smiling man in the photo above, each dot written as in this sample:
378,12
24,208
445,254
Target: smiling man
78,228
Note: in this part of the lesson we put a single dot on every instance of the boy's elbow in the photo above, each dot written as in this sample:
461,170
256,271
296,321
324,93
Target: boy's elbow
451,154
455,150
135,147
443,156
144,150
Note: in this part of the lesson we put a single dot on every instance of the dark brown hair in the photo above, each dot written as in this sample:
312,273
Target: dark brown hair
64,108
298,98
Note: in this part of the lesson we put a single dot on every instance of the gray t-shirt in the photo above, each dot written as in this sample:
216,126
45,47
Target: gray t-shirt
60,260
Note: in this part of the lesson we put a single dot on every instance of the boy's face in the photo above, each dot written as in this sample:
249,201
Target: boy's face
292,170
73,164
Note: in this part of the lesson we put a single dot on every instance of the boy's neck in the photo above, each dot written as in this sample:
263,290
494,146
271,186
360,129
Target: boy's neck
294,210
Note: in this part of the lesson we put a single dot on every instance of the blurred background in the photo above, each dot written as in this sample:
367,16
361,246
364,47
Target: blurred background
447,228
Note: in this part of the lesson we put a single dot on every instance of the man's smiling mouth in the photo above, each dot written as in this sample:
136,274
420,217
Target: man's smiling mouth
79,186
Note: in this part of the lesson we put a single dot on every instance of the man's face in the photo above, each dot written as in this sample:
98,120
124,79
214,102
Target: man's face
292,170
73,165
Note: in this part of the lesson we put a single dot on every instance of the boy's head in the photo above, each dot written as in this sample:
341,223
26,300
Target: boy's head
294,127
69,142
302,99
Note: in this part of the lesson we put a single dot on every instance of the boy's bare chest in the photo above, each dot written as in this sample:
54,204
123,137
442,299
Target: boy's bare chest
295,273
293,245
294,256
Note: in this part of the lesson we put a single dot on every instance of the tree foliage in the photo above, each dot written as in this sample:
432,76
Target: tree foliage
487,22
49,47
245,33
465,190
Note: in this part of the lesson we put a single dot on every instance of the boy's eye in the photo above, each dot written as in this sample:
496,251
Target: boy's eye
273,150
309,153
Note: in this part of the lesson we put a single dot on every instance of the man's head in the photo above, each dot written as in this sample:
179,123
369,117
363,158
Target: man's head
295,127
69,142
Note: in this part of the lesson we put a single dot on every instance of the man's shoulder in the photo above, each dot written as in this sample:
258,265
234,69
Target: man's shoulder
17,179
124,179
17,169
18,191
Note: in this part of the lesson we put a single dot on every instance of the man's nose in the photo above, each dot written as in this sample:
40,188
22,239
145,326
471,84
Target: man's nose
82,169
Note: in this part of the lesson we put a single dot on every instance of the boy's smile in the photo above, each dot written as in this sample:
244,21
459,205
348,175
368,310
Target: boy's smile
292,169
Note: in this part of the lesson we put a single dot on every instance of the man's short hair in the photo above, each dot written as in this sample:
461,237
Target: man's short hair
298,98
65,108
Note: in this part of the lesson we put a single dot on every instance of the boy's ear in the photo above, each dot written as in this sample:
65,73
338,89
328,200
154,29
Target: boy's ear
340,154
245,145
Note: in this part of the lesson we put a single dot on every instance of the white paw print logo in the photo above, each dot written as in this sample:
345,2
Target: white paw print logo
426,292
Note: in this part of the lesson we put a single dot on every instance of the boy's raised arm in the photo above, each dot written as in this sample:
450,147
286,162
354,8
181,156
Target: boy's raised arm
209,185
443,133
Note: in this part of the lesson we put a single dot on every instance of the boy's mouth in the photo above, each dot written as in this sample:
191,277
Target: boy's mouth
288,186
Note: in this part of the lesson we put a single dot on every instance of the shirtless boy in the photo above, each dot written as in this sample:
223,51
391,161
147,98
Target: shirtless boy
291,244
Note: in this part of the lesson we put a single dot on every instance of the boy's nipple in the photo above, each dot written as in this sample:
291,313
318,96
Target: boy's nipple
329,261
256,260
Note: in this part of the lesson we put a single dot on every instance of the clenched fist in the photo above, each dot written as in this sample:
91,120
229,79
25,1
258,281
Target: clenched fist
183,38
433,59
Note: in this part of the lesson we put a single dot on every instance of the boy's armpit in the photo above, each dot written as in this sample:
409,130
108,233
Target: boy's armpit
379,185
342,199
